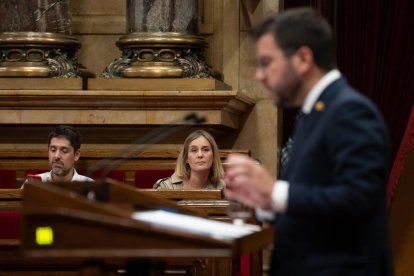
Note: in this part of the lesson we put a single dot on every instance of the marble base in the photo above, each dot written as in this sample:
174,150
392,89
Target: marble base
160,55
35,54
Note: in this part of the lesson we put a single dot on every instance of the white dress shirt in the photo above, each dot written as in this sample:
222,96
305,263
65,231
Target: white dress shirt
47,177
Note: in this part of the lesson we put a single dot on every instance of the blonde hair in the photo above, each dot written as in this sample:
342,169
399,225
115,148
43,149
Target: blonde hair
183,170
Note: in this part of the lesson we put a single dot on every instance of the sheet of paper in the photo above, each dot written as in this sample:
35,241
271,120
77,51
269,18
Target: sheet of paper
192,224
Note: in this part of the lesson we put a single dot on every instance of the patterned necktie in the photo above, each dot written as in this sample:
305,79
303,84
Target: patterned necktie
287,148
284,153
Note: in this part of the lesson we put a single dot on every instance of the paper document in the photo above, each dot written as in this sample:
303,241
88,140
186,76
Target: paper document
192,224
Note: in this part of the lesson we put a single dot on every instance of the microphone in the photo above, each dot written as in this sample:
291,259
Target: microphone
136,147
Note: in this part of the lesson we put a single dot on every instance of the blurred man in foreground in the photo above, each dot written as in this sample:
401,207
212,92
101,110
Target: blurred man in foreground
329,203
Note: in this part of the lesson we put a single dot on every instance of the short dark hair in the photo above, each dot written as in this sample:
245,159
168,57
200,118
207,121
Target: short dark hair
68,132
299,27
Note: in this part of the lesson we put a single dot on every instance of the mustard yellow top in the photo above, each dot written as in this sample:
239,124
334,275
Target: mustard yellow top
175,183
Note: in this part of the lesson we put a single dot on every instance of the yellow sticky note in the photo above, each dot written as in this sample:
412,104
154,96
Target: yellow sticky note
44,235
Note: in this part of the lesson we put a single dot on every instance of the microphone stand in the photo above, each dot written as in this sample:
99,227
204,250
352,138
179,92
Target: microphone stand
133,149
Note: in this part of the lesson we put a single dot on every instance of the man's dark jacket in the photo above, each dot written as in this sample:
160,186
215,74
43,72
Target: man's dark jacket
335,223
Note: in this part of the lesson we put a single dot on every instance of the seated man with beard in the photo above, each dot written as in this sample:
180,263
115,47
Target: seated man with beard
64,151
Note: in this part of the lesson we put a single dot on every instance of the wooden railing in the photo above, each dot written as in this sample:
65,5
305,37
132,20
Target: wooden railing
209,202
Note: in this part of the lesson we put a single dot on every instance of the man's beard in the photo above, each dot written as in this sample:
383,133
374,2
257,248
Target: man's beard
288,90
60,171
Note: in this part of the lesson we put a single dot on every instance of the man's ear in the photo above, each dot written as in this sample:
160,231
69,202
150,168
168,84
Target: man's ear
303,60
77,155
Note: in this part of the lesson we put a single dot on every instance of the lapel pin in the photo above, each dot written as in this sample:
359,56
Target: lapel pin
319,106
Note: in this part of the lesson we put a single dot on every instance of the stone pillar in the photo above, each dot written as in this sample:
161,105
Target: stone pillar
35,16
161,41
36,41
162,16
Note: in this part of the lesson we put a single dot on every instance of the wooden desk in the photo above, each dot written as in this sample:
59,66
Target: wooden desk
10,200
208,202
85,229
203,203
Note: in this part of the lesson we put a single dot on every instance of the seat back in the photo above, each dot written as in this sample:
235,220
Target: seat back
118,175
35,171
145,179
10,225
7,179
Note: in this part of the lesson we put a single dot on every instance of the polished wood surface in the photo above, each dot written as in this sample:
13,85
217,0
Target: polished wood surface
178,195
41,84
210,201
107,107
122,201
75,225
147,84
10,200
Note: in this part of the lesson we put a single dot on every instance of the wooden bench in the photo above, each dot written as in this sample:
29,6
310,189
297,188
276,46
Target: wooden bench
21,161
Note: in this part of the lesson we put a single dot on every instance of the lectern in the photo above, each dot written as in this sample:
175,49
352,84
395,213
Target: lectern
63,223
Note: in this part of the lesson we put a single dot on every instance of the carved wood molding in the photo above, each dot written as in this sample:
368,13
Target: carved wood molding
187,100
50,107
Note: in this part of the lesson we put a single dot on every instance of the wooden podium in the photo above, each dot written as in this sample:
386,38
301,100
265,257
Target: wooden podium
61,223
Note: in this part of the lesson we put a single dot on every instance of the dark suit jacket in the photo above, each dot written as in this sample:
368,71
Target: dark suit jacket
335,222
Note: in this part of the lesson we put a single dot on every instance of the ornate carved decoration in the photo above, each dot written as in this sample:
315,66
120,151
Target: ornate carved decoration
160,55
35,40
31,54
161,41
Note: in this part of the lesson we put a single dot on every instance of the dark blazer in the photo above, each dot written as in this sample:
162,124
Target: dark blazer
335,222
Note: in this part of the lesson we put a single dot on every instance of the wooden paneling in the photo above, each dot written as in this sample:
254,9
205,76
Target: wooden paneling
21,160
116,117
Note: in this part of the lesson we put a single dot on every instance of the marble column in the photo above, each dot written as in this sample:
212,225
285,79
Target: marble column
36,41
161,41
35,16
162,16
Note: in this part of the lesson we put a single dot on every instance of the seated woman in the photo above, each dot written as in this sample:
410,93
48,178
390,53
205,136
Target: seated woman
198,165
